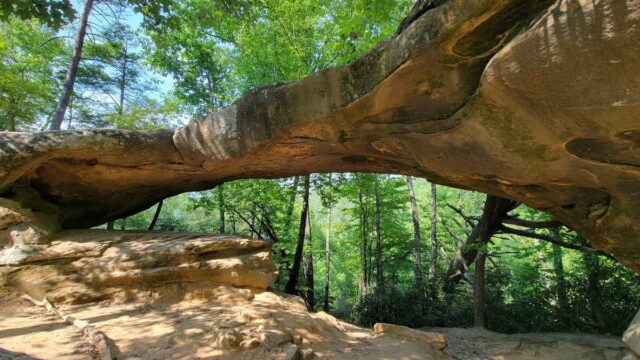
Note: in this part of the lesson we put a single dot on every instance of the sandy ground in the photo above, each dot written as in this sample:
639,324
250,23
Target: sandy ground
229,323
476,344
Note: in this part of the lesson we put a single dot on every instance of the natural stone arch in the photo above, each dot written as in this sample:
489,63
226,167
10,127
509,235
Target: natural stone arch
537,101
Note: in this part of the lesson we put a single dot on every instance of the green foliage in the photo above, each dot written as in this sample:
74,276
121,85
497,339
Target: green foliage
30,59
233,46
54,13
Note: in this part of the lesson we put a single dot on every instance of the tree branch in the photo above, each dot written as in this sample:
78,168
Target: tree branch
469,219
546,238
531,224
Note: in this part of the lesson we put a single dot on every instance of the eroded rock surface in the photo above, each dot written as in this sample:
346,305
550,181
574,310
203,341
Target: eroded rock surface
537,101
220,322
89,265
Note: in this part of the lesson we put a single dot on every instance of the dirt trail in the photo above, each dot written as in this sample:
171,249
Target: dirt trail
230,323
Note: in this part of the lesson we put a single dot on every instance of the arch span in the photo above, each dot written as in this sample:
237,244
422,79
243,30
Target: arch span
537,101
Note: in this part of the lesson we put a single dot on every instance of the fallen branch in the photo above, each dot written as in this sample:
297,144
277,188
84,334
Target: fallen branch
96,337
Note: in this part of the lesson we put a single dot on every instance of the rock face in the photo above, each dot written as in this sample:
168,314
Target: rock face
88,265
537,101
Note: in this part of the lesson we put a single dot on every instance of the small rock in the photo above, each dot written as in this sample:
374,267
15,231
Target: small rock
307,354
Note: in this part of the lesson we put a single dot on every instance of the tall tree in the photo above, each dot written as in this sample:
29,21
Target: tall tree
493,214
592,265
327,252
558,267
308,266
364,226
70,77
417,262
292,283
433,266
292,201
379,268
479,305
221,208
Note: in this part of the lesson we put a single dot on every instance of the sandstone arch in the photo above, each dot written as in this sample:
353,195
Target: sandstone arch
537,101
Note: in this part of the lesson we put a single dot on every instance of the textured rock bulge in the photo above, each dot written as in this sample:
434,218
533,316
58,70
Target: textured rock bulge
90,265
537,101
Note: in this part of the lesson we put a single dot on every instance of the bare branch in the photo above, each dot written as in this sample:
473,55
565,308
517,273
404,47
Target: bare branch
469,219
546,238
531,224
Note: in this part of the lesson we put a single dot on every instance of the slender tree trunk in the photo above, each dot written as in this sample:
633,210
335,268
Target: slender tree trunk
433,267
292,201
290,287
379,269
221,208
123,223
592,264
327,254
417,260
308,266
233,224
363,250
70,77
253,232
156,215
110,225
478,291
123,79
558,267
70,115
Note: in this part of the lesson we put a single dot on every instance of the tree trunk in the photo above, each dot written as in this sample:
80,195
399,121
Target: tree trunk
292,201
70,115
478,291
363,249
290,287
433,267
308,266
490,221
221,208
327,252
379,270
123,79
417,262
233,224
592,264
486,229
558,267
156,215
110,225
123,223
70,77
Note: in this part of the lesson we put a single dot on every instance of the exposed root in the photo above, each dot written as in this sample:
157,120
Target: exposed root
96,337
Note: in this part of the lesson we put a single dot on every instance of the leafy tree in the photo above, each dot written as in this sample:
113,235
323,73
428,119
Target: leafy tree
54,13
30,59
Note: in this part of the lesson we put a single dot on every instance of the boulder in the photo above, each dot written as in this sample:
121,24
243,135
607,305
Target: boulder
437,340
23,231
631,336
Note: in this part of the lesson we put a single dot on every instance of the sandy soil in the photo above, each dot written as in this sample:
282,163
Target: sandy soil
229,323
476,344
